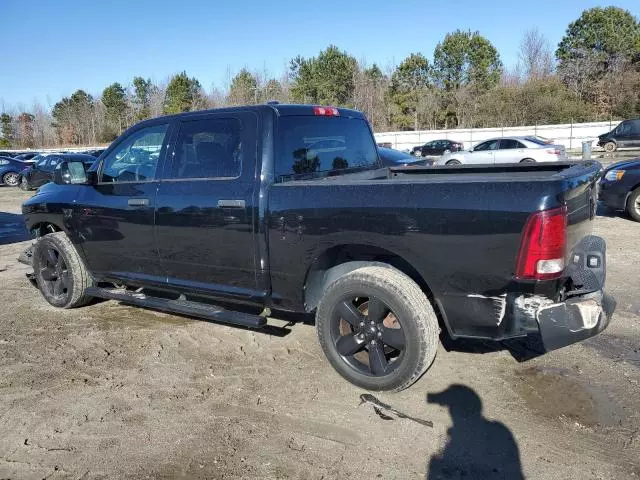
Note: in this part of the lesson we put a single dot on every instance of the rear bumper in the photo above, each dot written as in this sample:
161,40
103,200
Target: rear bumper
575,319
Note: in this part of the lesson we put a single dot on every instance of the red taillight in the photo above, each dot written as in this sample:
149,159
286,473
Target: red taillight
543,245
326,111
554,151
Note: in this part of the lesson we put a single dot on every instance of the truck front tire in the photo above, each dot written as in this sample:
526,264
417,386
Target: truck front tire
377,328
60,273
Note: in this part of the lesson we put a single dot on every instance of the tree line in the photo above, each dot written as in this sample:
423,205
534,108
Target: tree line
594,74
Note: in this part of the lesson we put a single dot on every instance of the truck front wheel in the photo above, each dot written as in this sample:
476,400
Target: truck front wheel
377,328
60,272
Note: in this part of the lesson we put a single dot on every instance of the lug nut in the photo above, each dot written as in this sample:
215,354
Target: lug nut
361,336
372,322
362,324
373,342
379,334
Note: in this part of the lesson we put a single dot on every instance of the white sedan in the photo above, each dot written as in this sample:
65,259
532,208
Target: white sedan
507,150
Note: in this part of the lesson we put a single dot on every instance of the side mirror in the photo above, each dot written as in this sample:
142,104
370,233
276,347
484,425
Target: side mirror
70,173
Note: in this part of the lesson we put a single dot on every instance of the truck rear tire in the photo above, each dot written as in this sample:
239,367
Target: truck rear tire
633,205
377,328
60,273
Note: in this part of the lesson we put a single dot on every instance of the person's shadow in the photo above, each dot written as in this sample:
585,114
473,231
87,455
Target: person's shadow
476,447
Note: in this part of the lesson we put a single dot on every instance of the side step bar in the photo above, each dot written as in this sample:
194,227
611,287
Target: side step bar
184,307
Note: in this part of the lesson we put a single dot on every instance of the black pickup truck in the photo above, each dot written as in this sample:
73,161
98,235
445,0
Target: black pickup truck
288,208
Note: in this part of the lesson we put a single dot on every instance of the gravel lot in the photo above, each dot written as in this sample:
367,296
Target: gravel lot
112,391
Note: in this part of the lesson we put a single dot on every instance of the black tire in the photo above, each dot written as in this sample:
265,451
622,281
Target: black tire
60,273
24,184
527,160
454,162
633,205
610,147
10,179
398,298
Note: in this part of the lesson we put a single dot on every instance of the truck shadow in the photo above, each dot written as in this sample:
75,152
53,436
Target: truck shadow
12,228
476,448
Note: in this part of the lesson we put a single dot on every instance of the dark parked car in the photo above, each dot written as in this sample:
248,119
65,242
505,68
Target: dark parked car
620,187
626,134
288,208
395,158
437,147
41,171
10,169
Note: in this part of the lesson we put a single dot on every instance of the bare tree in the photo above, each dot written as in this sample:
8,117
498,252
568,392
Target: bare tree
535,57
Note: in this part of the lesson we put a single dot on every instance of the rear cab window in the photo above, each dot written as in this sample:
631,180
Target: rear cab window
310,146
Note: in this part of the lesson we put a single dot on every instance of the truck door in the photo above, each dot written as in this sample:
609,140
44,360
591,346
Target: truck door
114,218
206,212
624,134
634,139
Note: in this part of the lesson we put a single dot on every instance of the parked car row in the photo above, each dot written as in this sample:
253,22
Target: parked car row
31,170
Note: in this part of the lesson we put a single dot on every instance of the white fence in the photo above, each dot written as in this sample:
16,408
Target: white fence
571,135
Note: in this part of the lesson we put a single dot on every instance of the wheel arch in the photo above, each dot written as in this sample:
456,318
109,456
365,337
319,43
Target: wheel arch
341,259
44,227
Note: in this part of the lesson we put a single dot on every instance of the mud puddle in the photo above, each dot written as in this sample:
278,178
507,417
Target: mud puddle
558,393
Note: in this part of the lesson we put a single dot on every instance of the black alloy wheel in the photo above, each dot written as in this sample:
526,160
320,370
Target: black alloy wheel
367,335
54,273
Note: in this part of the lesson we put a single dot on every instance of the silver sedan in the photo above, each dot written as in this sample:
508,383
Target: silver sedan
507,150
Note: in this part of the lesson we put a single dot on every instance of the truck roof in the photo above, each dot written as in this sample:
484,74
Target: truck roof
280,110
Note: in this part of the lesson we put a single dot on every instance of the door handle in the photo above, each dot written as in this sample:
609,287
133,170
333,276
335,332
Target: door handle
138,202
231,203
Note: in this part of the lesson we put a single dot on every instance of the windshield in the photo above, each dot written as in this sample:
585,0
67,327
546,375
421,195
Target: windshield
311,145
40,160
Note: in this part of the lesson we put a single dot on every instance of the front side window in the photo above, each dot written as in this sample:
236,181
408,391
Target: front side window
490,145
624,129
53,162
135,159
208,148
314,144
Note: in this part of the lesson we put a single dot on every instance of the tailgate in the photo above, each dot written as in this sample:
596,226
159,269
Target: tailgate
581,199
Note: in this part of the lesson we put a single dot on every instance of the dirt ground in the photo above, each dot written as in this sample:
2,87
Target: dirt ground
112,391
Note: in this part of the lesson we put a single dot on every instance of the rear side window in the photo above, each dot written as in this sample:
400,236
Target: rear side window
509,143
208,148
310,145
